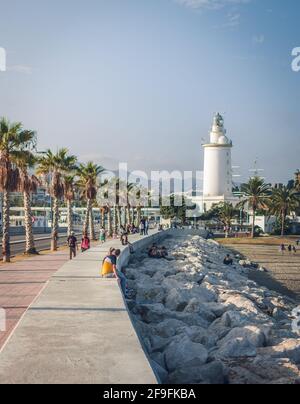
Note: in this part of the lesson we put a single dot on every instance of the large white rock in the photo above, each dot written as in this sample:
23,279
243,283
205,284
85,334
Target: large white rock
201,336
289,349
242,303
177,300
263,370
237,348
253,334
196,307
152,313
168,328
183,352
149,292
211,373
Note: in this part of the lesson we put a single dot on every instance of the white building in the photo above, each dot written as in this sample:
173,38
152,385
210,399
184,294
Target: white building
217,176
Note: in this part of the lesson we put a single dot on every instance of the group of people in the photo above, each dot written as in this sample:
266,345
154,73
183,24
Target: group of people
157,252
144,227
73,244
290,248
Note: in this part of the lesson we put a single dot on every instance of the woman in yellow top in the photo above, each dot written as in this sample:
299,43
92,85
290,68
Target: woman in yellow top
109,269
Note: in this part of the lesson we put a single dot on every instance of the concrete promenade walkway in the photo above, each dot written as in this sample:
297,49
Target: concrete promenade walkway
77,331
21,282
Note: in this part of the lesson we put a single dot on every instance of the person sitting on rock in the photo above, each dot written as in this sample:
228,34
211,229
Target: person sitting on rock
153,251
228,260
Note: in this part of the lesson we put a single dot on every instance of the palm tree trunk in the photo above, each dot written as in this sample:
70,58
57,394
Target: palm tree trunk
86,224
115,224
109,223
283,224
253,225
128,215
5,225
125,216
92,225
55,224
138,216
30,247
102,212
119,216
69,217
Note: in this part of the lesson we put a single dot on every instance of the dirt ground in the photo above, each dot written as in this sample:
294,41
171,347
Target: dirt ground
283,273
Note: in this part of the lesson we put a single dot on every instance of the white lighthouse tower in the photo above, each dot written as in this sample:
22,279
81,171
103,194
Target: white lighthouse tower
217,181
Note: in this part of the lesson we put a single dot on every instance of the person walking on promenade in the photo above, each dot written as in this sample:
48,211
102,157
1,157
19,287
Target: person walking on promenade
85,243
73,246
102,235
282,249
290,249
109,269
142,227
146,227
294,250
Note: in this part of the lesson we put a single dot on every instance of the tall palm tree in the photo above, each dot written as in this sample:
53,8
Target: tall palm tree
297,180
28,185
69,196
13,138
226,214
56,166
284,201
88,183
256,196
130,188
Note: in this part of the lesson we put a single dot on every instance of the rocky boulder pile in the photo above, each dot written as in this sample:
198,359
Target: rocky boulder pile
206,323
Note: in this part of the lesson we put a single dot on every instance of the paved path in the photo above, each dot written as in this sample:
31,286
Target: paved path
21,282
77,331
284,271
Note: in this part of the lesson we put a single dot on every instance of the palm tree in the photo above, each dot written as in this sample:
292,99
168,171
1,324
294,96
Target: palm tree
56,166
128,215
28,185
226,214
297,180
256,196
69,195
284,201
88,175
13,138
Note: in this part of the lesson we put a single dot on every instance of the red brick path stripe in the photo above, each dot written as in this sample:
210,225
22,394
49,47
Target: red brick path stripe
21,282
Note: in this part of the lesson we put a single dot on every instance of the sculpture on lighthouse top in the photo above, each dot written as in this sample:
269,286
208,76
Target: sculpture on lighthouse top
218,132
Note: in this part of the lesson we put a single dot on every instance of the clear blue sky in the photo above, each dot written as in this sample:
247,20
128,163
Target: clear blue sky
139,80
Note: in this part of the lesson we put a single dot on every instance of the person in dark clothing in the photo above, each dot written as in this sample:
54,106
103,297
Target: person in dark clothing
72,243
124,236
228,260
